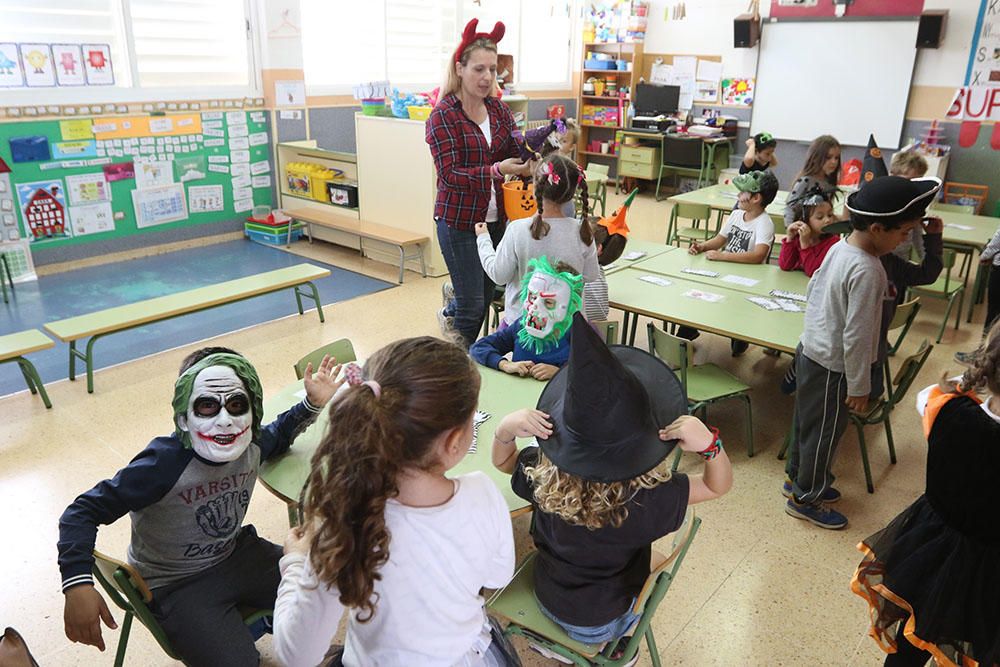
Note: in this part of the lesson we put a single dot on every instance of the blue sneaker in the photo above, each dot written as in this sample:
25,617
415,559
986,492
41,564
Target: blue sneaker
819,515
831,495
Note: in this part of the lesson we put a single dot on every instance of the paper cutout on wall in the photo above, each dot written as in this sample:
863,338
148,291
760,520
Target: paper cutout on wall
706,92
190,168
87,188
154,174
97,64
119,171
43,209
36,61
76,129
29,149
11,75
71,150
737,92
157,206
68,63
205,198
92,219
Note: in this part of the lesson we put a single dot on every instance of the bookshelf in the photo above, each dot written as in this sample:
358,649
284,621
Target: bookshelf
630,52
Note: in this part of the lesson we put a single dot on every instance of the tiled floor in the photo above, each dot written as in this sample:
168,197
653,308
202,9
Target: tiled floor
757,588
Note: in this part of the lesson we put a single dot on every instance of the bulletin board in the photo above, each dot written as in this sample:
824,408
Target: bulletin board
704,85
91,179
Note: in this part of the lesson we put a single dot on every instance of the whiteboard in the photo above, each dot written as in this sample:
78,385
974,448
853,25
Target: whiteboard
845,78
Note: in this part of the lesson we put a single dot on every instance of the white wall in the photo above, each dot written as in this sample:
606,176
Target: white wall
945,66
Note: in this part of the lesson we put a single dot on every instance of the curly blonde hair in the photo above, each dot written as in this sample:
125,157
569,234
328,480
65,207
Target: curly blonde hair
583,502
985,370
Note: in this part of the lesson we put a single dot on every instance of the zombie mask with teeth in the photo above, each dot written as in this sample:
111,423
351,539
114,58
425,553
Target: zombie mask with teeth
550,298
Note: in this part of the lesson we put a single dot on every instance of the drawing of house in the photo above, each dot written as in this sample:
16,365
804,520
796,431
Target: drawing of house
44,214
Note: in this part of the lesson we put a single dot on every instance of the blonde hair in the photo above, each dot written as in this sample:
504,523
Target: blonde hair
985,370
452,82
583,502
904,161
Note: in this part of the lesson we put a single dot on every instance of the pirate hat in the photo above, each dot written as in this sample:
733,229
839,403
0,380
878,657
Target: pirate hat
893,198
873,165
607,405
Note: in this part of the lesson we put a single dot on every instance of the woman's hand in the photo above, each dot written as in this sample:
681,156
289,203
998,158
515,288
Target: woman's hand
513,166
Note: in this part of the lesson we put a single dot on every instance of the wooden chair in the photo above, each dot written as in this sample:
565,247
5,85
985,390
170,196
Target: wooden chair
704,384
947,288
969,194
881,411
128,590
516,604
696,213
342,350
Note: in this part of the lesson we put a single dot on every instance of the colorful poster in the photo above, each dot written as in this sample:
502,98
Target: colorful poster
737,92
97,64
191,168
119,171
87,188
11,75
92,219
43,209
68,61
205,198
706,92
154,174
160,205
76,129
36,61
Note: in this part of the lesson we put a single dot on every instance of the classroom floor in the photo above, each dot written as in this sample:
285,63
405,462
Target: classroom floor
757,588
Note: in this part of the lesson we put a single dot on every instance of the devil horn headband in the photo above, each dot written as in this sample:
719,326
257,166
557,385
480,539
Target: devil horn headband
469,35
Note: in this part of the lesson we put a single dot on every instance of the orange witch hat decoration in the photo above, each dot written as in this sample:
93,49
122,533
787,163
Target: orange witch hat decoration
615,223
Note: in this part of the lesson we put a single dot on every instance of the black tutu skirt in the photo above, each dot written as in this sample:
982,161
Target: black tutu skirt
938,586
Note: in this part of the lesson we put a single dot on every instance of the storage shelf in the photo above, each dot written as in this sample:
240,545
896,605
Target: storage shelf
603,127
326,203
603,97
627,72
598,154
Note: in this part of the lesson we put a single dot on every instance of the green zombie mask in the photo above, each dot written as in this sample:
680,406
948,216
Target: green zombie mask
755,181
218,405
550,299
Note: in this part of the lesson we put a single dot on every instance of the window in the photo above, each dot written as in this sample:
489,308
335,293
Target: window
409,42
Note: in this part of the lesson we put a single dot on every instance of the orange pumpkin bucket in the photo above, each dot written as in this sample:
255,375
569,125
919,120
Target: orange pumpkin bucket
519,199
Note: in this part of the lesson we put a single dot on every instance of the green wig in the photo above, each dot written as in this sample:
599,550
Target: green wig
185,383
575,282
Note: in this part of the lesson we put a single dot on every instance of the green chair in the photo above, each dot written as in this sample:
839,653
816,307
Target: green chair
704,384
696,213
906,312
778,220
881,411
597,187
342,350
494,309
947,288
608,329
5,277
128,590
516,604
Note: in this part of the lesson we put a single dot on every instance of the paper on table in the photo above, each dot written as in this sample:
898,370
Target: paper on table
789,306
782,294
701,272
656,280
739,280
962,227
633,255
764,302
703,296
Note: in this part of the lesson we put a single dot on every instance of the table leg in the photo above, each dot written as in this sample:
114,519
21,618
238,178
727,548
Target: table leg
33,380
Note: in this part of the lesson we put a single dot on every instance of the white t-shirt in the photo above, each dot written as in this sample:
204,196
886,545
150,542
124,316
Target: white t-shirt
745,235
491,211
429,609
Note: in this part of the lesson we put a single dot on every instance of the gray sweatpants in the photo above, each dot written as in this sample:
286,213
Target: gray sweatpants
820,420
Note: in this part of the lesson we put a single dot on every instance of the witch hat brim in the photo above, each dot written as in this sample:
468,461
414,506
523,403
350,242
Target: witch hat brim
627,396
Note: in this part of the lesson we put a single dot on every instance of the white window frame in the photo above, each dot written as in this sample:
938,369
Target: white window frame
126,88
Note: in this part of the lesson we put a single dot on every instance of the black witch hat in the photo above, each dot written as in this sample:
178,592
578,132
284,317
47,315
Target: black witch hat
873,166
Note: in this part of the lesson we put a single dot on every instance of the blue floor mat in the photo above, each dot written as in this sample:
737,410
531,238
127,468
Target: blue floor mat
86,290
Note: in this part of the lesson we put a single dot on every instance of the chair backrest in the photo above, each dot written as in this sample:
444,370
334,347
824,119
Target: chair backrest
905,313
608,329
909,370
683,152
673,350
597,172
778,220
342,350
128,590
682,539
690,211
948,262
952,208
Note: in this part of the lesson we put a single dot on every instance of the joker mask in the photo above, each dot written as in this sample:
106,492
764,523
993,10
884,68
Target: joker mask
550,299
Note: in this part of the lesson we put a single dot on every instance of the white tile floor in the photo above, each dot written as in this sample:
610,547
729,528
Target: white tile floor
758,587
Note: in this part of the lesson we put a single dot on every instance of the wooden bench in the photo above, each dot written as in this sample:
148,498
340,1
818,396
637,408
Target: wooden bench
14,346
112,320
400,238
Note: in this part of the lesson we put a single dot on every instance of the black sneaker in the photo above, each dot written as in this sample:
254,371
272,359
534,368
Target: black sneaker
738,347
818,514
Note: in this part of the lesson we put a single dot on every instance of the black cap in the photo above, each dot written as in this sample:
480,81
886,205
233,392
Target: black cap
607,405
894,198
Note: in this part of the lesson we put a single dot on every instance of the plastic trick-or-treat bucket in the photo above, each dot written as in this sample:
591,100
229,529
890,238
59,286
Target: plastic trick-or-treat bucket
519,199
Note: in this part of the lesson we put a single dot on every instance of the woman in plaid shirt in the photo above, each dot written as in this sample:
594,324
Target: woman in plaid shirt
470,133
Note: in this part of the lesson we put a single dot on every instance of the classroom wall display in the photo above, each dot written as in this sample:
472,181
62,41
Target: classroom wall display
36,60
159,205
68,62
737,92
785,9
205,198
97,64
18,253
92,219
43,207
87,188
11,75
984,54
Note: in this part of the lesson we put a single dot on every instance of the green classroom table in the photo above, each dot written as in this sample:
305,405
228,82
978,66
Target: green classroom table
499,394
768,276
733,316
648,248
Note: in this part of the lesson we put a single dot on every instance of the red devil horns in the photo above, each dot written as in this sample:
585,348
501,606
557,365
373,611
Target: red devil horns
469,35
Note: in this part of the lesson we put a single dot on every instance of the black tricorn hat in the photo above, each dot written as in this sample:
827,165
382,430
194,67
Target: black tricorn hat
607,405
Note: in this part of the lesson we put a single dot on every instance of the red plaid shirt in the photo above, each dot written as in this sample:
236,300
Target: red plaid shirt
463,160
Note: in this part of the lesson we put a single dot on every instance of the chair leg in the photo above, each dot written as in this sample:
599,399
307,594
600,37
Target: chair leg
654,655
958,311
34,381
123,640
864,456
746,398
888,439
677,460
944,320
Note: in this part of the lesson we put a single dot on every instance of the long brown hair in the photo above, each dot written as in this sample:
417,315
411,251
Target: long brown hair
452,82
427,386
560,187
816,156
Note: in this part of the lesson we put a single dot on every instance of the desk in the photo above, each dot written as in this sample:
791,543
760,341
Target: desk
723,198
650,248
652,157
499,395
733,316
768,276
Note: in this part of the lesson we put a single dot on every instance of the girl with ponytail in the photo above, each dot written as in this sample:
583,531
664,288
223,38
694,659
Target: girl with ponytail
386,535
550,232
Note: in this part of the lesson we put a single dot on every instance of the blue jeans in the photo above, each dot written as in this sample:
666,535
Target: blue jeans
473,289
598,634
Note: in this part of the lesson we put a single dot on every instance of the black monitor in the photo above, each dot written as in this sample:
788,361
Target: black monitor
652,100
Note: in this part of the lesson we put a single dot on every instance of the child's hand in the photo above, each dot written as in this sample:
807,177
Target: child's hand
933,225
691,435
297,541
806,233
749,142
524,423
857,404
481,229
522,368
695,249
713,255
543,372
321,387
792,231
83,612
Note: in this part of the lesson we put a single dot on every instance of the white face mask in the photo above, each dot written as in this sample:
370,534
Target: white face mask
219,416
546,305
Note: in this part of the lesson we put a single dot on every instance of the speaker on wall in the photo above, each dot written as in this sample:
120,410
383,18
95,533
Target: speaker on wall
746,31
930,30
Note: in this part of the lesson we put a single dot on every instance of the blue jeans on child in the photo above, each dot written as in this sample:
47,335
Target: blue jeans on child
473,289
599,634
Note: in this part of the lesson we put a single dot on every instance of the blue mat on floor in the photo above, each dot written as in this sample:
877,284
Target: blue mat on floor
86,290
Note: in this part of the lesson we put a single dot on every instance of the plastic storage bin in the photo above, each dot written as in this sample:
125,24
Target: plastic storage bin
272,239
342,194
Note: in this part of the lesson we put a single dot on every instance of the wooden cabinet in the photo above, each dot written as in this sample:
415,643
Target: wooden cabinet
639,161
631,54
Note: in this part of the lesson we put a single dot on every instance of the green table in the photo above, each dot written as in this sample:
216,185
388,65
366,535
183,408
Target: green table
733,316
768,276
499,395
650,248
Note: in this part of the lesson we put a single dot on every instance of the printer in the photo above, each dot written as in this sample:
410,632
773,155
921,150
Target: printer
658,123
